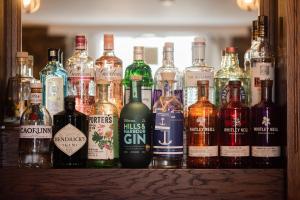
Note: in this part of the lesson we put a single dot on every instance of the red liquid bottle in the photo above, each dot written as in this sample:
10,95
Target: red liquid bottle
266,138
234,129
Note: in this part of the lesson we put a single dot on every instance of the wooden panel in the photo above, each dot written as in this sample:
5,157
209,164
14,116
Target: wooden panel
9,146
142,184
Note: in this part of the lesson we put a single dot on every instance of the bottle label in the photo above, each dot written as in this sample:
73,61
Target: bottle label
191,78
54,94
36,132
146,96
109,72
203,151
261,71
36,97
101,134
235,151
168,134
265,151
69,139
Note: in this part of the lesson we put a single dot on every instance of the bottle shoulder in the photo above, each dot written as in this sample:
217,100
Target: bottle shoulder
36,115
135,108
108,59
105,108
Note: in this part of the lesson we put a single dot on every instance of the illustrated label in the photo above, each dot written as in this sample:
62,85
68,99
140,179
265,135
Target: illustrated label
36,132
235,151
146,93
109,72
101,134
191,78
265,151
157,94
54,94
168,134
225,97
203,151
82,86
69,139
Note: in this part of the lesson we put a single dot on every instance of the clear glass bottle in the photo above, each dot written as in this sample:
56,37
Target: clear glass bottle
103,139
230,72
168,66
262,62
199,71
81,76
202,130
54,81
247,55
168,130
139,67
109,67
35,132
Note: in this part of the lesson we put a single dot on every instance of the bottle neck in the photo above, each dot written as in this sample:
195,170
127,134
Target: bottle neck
108,52
23,68
135,91
203,92
266,94
82,52
232,60
103,93
168,59
168,90
235,94
198,55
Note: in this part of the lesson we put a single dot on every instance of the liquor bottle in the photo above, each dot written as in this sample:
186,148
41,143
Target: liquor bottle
168,130
135,129
81,76
262,62
199,71
223,59
231,72
35,132
139,67
202,130
54,81
30,62
109,68
234,130
247,55
168,66
266,137
70,129
103,139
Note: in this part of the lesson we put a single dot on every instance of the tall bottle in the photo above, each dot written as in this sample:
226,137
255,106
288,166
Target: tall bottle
266,135
262,62
103,139
199,71
109,68
139,67
135,129
247,55
202,130
54,81
35,132
81,76
168,66
231,72
168,130
70,129
234,130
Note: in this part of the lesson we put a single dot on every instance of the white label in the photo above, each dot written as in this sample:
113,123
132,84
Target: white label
146,96
261,71
54,94
203,151
69,139
235,151
109,72
36,132
265,151
191,78
36,98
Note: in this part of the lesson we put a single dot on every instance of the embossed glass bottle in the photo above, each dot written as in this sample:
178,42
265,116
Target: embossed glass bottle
103,139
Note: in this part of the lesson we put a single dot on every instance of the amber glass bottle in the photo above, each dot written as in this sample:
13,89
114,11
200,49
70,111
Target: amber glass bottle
202,130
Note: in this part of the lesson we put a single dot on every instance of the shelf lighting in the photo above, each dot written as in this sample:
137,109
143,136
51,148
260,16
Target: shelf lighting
30,6
248,5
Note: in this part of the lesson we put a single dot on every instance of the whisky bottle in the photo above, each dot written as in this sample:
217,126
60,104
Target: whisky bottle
70,129
202,130
234,130
103,139
135,129
247,55
35,132
168,130
266,135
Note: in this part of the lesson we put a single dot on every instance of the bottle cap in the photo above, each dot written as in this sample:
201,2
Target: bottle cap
69,103
266,83
169,46
231,50
262,24
80,42
203,82
168,76
136,78
22,54
108,41
138,53
52,54
199,41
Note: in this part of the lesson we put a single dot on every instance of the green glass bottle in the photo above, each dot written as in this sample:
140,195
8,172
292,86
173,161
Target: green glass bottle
139,67
135,129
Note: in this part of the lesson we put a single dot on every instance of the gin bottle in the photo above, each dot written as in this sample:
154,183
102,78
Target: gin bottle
247,55
81,76
35,132
139,67
103,139
168,130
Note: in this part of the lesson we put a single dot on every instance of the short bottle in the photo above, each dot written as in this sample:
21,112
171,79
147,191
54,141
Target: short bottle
103,139
35,132
70,129
135,129
234,130
266,135
202,132
168,130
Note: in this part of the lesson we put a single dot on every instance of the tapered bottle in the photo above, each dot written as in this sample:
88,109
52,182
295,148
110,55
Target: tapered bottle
234,130
247,55
70,130
202,132
168,130
266,134
103,139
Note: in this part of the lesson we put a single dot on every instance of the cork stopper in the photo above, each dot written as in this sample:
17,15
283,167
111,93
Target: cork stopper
199,41
136,78
168,76
22,54
231,50
80,42
108,41
169,46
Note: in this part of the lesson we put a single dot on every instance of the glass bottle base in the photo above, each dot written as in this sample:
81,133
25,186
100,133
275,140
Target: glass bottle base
35,161
167,163
203,162
102,163
234,162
